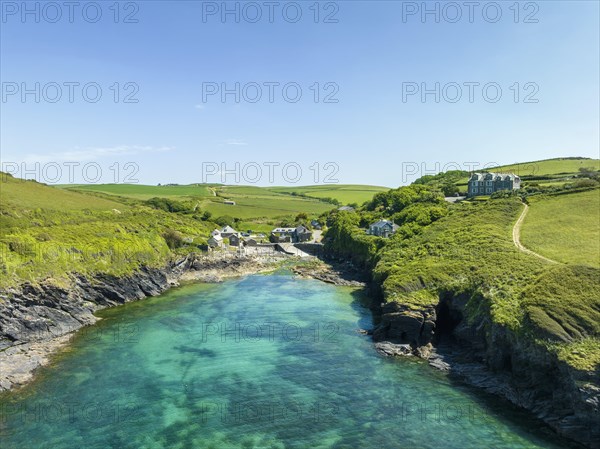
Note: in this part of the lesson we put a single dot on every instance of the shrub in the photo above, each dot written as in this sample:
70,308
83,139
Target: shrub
43,237
173,238
582,183
225,220
166,204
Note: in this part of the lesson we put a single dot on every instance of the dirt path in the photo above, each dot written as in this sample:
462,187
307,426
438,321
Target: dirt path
516,234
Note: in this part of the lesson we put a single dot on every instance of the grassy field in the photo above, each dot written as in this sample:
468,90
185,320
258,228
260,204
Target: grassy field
256,202
252,203
554,172
549,167
29,194
144,192
565,228
344,193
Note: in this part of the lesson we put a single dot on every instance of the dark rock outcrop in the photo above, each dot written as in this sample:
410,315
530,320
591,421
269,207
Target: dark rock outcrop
494,358
39,312
36,318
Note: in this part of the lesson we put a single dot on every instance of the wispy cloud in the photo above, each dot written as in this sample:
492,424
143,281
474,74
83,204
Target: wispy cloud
235,142
91,154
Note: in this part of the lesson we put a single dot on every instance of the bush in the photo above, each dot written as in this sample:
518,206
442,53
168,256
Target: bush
43,237
167,205
582,183
225,220
173,238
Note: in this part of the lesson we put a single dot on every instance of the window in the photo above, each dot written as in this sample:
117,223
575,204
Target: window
474,189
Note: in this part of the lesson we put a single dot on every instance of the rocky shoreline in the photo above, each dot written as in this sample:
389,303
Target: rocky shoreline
38,320
488,356
482,355
341,274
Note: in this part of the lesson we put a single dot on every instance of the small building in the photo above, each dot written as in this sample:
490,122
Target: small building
235,240
301,234
488,183
281,235
290,235
346,208
215,232
228,231
215,241
315,225
382,228
251,242
229,202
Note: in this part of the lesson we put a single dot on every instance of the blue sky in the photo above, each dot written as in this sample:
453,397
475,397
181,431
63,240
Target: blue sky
371,56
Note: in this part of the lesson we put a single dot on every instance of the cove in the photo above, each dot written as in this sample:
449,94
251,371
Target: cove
257,362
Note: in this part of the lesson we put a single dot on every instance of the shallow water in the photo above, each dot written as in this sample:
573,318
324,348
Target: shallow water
260,362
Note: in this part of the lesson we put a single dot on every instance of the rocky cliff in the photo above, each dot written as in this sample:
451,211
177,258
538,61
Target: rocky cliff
36,319
501,362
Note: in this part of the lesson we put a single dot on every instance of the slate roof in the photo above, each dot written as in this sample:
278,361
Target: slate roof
495,176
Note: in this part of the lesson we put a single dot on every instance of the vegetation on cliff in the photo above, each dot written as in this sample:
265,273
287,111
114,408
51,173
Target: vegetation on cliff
466,249
47,232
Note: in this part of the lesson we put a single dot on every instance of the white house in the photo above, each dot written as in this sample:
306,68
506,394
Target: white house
215,241
383,228
228,231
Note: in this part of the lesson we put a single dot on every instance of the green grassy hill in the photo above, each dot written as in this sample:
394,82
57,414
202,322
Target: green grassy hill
252,203
258,202
144,192
565,228
344,193
47,232
548,172
559,166
23,194
468,253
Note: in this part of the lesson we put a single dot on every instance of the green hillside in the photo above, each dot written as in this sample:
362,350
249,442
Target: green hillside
565,228
258,202
344,193
47,232
545,173
23,194
559,166
251,202
144,192
466,251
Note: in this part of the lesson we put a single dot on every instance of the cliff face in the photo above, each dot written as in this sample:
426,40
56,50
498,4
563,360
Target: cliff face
503,363
38,312
37,319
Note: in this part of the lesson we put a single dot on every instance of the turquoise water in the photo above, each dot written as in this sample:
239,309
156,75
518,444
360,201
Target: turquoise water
259,362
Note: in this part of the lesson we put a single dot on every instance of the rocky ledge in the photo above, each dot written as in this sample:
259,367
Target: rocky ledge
36,319
342,274
495,359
